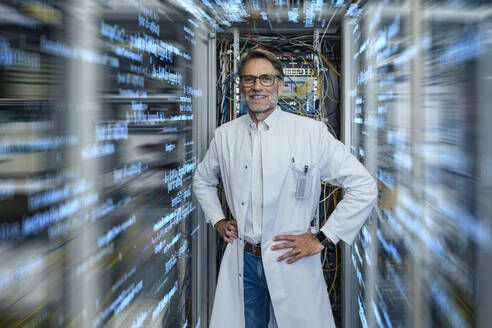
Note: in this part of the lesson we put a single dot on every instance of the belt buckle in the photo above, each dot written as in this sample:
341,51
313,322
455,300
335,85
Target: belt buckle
257,250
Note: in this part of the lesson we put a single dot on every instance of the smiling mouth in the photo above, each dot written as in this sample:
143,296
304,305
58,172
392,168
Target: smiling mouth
257,97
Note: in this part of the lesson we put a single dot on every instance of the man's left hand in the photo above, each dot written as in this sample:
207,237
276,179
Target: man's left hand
302,245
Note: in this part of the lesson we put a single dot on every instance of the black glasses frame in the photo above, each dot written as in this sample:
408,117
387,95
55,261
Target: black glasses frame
263,79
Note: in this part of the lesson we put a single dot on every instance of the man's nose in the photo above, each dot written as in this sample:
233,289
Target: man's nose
257,85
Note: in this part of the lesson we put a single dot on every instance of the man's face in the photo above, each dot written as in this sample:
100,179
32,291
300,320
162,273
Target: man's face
259,98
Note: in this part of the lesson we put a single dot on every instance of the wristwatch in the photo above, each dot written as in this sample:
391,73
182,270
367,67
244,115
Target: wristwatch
325,241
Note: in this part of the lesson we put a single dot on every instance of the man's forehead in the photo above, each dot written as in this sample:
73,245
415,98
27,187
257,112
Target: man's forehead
260,65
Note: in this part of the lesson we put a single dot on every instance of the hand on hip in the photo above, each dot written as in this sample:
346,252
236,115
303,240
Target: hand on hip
302,245
227,229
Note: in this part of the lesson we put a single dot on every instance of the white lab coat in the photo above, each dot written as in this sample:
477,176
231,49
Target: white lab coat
298,291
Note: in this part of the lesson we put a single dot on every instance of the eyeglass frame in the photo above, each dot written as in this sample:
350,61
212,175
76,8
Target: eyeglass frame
259,78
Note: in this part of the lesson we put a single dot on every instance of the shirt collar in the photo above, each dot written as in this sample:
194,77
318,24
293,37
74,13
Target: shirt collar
269,122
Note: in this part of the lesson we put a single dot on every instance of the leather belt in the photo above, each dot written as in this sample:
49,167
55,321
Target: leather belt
252,249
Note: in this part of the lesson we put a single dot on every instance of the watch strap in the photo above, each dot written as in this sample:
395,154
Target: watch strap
324,240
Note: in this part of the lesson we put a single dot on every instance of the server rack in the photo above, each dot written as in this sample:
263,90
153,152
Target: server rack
410,120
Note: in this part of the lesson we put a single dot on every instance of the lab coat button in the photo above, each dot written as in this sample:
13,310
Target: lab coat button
242,203
246,166
239,275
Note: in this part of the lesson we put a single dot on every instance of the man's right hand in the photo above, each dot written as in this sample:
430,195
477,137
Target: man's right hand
227,229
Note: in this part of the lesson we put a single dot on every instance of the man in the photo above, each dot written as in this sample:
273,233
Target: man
272,164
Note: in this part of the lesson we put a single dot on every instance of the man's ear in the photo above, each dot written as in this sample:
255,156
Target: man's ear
281,86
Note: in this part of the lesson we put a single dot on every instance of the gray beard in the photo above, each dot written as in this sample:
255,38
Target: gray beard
269,106
262,110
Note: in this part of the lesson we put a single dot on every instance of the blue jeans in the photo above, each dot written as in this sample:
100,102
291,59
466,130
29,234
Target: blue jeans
256,296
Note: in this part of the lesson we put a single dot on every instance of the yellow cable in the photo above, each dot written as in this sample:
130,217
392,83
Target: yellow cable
297,101
74,320
334,100
336,266
327,95
284,97
304,86
330,66
31,314
304,61
304,104
290,97
336,248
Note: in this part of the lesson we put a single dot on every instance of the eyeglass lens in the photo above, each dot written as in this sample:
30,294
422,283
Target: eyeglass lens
265,79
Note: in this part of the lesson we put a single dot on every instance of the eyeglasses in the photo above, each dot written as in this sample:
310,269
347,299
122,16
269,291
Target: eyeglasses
266,80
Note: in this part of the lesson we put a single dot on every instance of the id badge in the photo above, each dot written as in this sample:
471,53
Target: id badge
304,184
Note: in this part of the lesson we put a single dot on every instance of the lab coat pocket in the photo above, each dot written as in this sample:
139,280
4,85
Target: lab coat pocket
300,182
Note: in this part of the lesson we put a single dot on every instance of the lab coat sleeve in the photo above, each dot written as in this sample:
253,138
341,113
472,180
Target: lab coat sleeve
205,181
339,167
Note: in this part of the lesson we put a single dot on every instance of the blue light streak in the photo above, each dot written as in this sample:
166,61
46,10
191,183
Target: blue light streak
174,177
389,247
174,258
111,131
113,32
128,171
123,279
293,15
362,314
9,146
36,223
164,74
443,301
112,233
149,25
122,52
97,150
163,302
181,196
21,272
52,196
140,319
59,48
119,304
353,11
132,93
11,57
